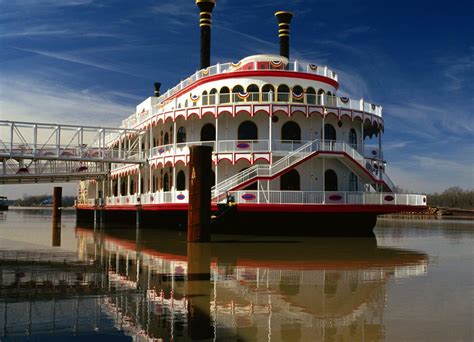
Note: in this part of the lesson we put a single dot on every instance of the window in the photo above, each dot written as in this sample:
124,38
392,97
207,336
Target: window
235,91
266,90
290,181
321,94
180,181
205,99
353,138
224,95
330,180
291,131
298,94
329,132
248,131
208,132
181,135
166,182
212,96
283,93
166,139
353,182
253,93
311,95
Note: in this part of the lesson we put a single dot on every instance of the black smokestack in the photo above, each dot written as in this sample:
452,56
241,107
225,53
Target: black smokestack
157,89
205,12
284,19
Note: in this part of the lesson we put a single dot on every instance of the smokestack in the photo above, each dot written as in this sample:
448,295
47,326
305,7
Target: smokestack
205,12
157,89
284,19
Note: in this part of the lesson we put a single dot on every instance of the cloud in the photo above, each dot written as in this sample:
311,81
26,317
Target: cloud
27,99
74,57
459,71
428,174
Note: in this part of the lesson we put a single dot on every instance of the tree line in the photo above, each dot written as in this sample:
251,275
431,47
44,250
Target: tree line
453,197
41,200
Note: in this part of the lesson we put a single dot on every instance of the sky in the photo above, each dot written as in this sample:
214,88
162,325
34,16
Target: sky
91,61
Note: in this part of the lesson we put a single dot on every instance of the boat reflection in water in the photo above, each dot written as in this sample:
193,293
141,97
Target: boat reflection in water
154,285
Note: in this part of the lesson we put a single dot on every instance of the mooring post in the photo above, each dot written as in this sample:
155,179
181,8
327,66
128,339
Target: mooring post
57,204
199,210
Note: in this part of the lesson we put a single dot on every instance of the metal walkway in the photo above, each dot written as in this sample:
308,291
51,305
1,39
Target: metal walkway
33,152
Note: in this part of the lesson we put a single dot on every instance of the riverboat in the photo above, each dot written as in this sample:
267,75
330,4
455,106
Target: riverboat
290,156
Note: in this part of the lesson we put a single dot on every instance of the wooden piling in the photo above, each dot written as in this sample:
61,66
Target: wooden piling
199,210
57,205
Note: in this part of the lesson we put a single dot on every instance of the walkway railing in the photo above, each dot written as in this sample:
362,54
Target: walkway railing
273,98
325,197
276,197
231,67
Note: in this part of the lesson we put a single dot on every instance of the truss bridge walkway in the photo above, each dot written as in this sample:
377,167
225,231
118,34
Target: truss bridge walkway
33,152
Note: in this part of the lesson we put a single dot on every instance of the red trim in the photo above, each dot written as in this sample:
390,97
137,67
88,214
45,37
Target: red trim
328,208
257,73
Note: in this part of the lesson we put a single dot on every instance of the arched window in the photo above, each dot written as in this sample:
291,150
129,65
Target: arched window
212,96
166,182
180,181
224,95
253,93
290,181
311,95
247,131
353,138
213,178
330,99
298,94
205,98
329,132
330,180
266,89
208,132
283,93
290,131
166,139
181,135
353,182
236,90
132,186
321,94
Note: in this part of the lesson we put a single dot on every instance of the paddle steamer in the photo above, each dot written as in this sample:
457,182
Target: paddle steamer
289,153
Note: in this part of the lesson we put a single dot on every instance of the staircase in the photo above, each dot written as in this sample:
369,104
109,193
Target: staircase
248,176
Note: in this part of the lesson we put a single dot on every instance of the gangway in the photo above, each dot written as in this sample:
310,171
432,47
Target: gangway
45,152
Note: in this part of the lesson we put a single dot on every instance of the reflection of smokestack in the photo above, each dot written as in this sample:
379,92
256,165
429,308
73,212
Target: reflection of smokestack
205,12
157,89
284,19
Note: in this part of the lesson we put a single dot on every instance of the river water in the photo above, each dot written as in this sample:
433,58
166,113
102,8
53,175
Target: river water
412,282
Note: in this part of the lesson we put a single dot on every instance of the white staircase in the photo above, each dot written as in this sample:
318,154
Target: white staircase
293,158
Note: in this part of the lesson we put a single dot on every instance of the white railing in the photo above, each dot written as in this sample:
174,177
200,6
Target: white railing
290,159
158,197
325,197
276,197
229,146
264,98
230,67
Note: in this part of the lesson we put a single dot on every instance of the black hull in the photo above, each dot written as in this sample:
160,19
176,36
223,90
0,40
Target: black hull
248,223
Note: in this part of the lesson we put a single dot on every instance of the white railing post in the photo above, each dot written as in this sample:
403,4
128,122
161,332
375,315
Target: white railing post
218,68
361,104
295,66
